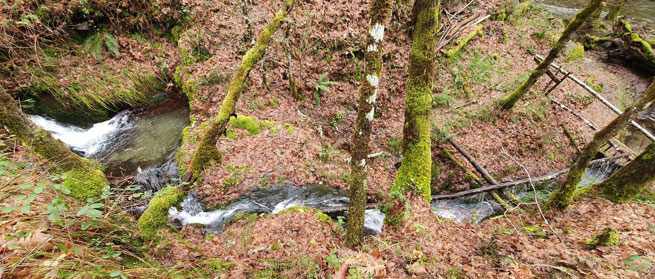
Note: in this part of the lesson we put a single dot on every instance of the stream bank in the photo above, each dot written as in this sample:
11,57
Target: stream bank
136,143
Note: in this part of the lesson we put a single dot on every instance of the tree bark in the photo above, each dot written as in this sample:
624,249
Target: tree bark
83,180
508,102
630,180
562,198
380,12
626,45
207,151
414,175
615,8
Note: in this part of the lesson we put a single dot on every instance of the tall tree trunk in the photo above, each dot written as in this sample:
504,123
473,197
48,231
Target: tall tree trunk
83,180
629,181
414,175
380,12
582,16
207,151
562,198
615,8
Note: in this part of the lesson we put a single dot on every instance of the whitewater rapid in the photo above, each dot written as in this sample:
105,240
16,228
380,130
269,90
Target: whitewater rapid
88,142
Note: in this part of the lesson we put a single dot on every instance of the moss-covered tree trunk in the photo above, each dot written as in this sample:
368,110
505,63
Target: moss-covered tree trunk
582,16
207,151
615,8
379,12
562,198
414,175
82,178
630,180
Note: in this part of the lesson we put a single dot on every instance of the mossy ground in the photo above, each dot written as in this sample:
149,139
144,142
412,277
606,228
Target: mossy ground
85,184
157,213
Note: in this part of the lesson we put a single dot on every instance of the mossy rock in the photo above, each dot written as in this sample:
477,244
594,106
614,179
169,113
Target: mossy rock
608,237
85,184
157,213
247,123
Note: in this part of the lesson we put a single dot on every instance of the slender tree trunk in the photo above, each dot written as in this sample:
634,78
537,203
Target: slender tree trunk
207,151
83,180
379,12
615,8
629,181
562,198
582,16
414,175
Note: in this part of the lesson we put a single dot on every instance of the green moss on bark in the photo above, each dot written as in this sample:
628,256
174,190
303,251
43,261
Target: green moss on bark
207,150
564,195
157,213
628,182
415,171
379,12
83,179
581,17
462,43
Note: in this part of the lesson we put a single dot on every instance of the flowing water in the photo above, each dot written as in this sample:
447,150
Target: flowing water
473,209
133,142
638,12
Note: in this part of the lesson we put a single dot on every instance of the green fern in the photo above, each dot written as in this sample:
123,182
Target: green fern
93,45
28,19
322,85
112,45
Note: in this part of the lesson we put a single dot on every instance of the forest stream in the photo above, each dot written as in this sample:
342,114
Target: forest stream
141,143
639,12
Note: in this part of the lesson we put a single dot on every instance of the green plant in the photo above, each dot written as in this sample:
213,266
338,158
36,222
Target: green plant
93,45
638,263
322,85
326,153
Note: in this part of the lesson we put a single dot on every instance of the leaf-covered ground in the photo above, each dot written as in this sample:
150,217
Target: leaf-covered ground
306,140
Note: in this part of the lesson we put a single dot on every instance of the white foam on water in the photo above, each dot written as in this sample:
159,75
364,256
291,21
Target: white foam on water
373,220
87,141
203,217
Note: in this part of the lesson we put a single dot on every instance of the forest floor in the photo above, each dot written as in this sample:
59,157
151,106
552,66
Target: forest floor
306,140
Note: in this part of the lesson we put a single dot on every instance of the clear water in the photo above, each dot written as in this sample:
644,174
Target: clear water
638,12
319,196
133,142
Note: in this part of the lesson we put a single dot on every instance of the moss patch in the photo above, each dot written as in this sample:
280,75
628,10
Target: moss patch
157,213
85,184
247,123
608,237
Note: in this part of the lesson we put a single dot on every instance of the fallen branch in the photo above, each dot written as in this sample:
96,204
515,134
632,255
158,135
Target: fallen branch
461,43
479,168
518,182
599,97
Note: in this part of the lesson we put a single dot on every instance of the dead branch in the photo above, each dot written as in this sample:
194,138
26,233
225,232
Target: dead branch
500,186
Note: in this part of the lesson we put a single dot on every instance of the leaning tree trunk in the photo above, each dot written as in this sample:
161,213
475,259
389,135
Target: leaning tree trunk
83,180
207,151
626,45
582,16
380,12
629,181
414,175
615,8
562,198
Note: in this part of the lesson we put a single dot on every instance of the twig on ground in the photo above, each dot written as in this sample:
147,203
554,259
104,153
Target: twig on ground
536,200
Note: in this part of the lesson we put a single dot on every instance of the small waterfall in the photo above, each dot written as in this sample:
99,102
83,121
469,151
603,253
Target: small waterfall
134,143
88,142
